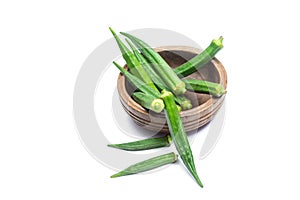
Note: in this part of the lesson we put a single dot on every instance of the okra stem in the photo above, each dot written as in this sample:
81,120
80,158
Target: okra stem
148,101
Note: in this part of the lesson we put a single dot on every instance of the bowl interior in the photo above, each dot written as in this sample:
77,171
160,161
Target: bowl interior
176,58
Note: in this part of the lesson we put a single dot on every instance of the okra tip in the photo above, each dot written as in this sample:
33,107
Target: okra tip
118,66
116,175
129,43
113,146
123,33
112,31
193,172
199,182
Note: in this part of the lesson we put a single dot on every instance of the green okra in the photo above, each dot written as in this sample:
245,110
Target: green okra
184,102
147,66
132,63
178,108
146,144
160,65
149,164
201,86
201,59
137,82
178,134
148,101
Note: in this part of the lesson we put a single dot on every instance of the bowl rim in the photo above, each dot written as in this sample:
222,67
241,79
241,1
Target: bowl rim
125,97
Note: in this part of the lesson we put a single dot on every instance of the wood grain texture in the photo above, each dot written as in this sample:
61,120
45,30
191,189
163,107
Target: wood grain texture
205,106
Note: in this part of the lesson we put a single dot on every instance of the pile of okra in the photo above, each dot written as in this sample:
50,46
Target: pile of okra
161,89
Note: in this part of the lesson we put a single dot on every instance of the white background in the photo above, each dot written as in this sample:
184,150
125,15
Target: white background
43,45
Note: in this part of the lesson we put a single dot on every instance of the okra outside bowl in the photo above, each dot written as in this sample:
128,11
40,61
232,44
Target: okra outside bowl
204,105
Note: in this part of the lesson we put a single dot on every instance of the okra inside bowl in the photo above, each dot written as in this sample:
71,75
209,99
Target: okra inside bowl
205,106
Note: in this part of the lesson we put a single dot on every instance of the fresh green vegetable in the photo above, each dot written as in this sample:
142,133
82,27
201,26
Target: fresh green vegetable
162,68
156,104
181,100
138,83
132,63
178,108
207,87
184,102
147,66
178,134
148,101
150,143
149,164
201,59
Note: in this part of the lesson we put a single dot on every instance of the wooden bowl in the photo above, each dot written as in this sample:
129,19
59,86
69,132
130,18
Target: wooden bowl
204,105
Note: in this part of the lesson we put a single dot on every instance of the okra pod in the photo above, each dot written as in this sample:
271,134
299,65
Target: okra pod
148,101
181,100
147,66
149,164
132,63
146,144
201,59
184,102
178,134
160,65
137,82
201,86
